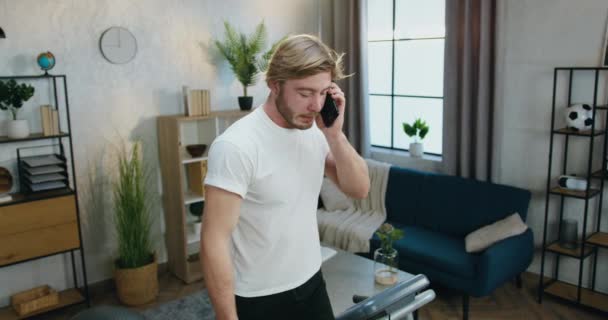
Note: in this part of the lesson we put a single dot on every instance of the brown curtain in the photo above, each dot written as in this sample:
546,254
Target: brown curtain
469,88
347,32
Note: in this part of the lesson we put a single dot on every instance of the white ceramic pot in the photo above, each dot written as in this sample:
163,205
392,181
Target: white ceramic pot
18,129
196,227
416,149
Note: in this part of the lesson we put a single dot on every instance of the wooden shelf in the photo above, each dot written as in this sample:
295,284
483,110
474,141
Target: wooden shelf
191,236
235,113
187,158
21,198
66,298
574,253
584,133
195,272
575,193
182,181
33,136
599,239
191,197
592,299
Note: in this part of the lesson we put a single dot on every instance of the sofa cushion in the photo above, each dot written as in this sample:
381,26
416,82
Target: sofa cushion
440,251
484,237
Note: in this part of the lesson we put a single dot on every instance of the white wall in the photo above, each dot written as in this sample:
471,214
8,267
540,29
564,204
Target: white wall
109,101
534,37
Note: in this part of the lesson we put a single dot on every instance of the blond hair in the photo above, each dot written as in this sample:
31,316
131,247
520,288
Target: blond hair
301,56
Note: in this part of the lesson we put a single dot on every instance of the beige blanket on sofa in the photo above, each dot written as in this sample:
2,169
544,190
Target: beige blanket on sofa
352,228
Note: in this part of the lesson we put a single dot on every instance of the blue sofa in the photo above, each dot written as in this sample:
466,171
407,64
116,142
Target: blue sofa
437,211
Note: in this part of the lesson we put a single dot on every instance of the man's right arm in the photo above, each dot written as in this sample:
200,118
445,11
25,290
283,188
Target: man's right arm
220,217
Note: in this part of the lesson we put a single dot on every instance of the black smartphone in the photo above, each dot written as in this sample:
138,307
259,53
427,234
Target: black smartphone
329,112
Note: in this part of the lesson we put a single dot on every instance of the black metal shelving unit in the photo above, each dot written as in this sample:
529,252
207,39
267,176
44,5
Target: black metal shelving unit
21,197
588,244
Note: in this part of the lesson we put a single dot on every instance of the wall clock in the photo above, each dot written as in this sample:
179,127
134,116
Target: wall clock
118,45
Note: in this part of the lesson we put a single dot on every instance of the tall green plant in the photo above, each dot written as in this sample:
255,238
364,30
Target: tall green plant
417,130
131,211
13,95
244,53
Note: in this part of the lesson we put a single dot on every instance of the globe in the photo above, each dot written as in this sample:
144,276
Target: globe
46,61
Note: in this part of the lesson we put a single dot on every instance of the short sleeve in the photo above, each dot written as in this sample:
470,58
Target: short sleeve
228,168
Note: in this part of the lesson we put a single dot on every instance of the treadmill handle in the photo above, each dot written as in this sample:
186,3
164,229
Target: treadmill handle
420,300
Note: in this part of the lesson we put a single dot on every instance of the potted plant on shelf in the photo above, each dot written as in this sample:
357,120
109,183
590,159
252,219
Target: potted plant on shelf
418,131
136,266
12,97
244,54
385,257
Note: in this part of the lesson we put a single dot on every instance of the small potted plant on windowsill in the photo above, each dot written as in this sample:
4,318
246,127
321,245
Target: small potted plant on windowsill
244,54
386,260
12,97
418,131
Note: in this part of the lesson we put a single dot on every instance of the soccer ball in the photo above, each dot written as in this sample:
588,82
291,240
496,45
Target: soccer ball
579,117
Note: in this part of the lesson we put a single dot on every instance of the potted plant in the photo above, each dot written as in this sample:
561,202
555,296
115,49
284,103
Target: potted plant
244,54
385,257
418,130
136,266
12,97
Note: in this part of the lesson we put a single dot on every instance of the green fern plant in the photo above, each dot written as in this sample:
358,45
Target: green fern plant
419,129
13,95
245,53
131,210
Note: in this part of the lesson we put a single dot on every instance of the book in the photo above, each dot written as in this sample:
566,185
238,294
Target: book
54,121
45,117
196,101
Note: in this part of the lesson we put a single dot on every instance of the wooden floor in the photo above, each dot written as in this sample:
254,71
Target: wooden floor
507,302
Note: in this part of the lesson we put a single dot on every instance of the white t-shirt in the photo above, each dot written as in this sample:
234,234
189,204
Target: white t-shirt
278,172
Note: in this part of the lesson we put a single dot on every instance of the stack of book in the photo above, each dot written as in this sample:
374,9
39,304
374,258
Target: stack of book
197,102
50,120
43,173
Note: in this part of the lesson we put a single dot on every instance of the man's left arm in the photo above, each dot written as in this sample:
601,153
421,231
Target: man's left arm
343,165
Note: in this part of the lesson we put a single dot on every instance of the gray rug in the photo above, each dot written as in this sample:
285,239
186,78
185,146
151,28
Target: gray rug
193,307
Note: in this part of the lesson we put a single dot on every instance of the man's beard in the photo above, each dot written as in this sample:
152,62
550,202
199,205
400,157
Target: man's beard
288,114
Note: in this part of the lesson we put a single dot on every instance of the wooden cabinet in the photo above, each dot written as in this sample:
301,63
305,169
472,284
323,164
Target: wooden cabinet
182,180
39,228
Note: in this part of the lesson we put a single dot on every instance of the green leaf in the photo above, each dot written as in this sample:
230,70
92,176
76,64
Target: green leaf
244,53
409,130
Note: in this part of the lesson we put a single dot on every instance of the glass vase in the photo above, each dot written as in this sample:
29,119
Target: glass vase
385,266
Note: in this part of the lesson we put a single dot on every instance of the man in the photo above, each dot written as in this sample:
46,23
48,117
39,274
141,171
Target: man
260,249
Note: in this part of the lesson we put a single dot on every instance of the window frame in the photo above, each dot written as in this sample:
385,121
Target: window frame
392,95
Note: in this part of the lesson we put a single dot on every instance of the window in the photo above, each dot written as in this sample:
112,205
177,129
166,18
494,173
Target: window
405,63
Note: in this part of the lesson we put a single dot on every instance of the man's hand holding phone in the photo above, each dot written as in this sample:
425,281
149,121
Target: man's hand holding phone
331,117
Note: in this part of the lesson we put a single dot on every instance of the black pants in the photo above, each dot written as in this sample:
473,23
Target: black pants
306,302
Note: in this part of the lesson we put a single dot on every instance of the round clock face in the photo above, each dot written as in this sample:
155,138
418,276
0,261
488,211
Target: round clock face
118,45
